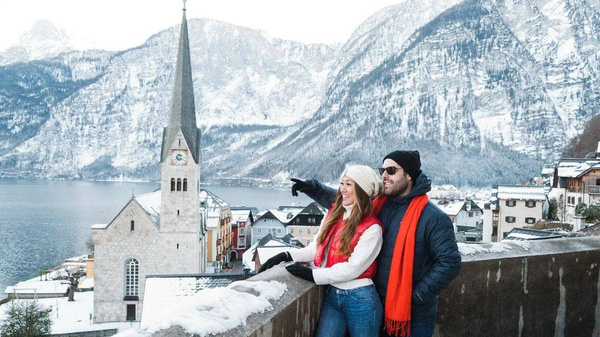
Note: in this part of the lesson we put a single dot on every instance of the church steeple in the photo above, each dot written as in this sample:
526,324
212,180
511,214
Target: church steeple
183,112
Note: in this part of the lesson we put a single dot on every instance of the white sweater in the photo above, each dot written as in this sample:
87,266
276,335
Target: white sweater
344,275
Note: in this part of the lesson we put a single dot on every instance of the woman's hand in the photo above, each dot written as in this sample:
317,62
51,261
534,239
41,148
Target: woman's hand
301,271
275,260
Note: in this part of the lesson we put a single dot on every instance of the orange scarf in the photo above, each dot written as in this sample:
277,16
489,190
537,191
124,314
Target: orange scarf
399,291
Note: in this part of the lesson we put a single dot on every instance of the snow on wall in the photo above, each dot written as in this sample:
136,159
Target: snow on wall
209,311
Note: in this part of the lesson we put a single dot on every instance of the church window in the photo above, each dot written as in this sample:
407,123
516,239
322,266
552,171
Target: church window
177,246
185,184
178,184
132,276
172,184
177,212
132,225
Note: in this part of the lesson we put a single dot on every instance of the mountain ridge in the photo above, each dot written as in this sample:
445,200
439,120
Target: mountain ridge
488,91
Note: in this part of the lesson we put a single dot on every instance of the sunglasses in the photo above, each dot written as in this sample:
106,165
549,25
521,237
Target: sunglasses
391,170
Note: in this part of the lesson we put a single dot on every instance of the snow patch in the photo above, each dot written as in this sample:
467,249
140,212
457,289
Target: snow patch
210,311
470,249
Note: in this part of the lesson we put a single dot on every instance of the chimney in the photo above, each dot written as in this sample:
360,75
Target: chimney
598,151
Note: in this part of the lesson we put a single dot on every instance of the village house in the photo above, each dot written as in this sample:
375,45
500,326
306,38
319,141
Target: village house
273,222
513,207
576,181
466,215
241,221
265,248
217,213
305,225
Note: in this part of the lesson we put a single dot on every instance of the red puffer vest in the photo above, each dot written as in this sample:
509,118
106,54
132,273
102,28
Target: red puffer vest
336,234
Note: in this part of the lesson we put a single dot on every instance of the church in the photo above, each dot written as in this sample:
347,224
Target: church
157,233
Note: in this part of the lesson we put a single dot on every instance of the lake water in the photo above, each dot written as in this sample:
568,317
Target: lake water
44,222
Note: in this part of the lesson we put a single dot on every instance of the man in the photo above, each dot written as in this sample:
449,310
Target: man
419,256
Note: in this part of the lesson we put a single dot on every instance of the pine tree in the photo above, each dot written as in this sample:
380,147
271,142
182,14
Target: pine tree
26,319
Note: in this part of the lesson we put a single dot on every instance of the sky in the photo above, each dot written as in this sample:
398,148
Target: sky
122,24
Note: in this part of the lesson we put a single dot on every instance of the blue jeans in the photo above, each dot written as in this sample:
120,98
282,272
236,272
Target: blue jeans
357,311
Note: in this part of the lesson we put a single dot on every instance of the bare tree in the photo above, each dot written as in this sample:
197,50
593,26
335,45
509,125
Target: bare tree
73,276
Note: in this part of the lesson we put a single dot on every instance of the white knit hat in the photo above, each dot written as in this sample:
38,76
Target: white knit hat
366,178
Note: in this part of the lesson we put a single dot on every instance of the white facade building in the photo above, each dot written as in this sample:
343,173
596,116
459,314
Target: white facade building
518,207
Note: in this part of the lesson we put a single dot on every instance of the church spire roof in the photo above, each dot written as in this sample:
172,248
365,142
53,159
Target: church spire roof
183,112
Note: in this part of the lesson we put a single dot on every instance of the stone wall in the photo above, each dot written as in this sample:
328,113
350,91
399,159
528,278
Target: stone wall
534,289
540,288
296,313
96,333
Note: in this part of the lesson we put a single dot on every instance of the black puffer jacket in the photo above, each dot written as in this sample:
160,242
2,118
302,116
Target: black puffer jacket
437,260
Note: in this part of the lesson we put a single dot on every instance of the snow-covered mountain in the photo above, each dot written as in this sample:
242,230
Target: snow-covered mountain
44,40
486,90
110,122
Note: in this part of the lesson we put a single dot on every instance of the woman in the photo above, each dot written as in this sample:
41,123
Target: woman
345,250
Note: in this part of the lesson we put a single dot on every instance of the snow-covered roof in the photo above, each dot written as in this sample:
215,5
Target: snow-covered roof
40,288
99,226
239,215
572,168
452,208
537,193
212,203
547,170
150,202
286,215
273,244
526,234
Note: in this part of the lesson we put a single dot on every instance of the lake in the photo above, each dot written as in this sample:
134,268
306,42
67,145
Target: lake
44,222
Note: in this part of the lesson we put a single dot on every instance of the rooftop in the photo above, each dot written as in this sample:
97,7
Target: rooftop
537,193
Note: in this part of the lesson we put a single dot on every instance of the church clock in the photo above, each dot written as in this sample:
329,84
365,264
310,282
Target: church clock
179,157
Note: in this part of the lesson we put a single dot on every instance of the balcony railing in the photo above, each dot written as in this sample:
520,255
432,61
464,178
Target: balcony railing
499,292
594,189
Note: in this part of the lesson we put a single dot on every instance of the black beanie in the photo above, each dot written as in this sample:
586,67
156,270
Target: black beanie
410,161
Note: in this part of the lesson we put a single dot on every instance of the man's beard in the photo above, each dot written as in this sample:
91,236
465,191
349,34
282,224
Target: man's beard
397,188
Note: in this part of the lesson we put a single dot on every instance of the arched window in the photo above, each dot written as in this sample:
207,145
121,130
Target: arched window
178,184
132,225
132,276
185,184
172,184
